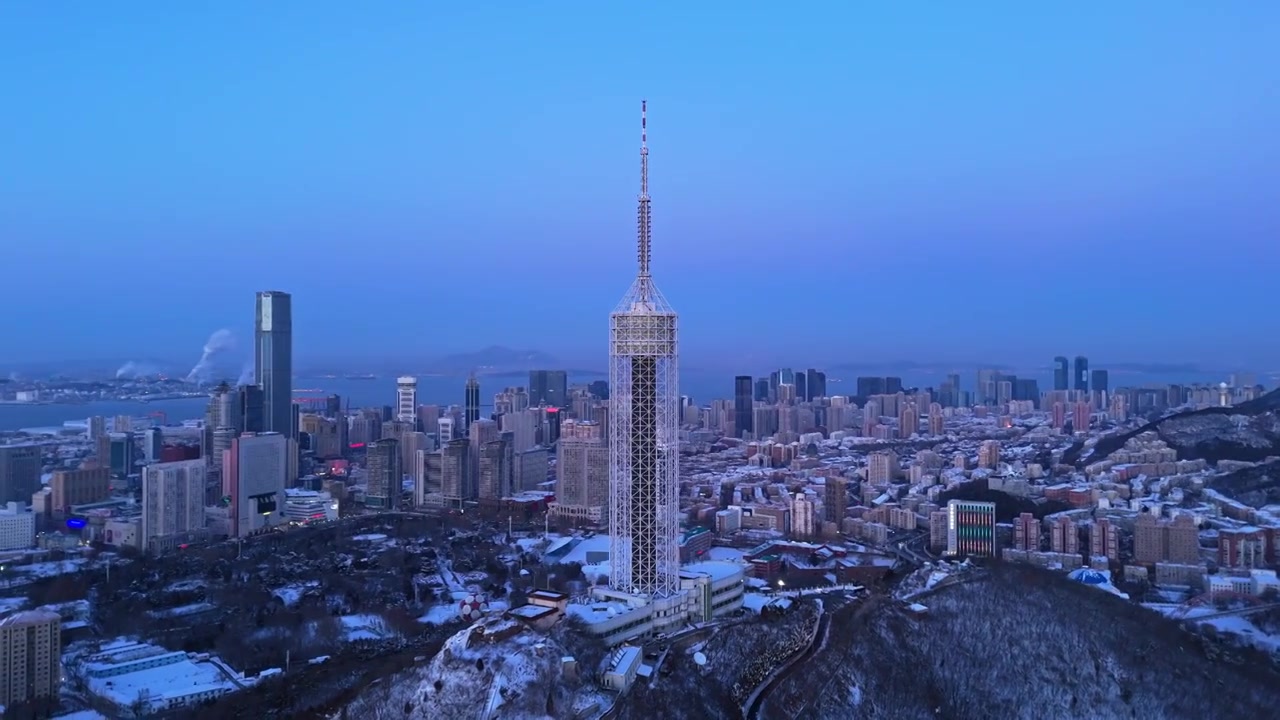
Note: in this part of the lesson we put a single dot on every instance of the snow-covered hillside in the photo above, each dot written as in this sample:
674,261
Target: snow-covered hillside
496,668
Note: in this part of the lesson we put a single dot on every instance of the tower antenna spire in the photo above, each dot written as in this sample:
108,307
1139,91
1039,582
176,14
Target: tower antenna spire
642,212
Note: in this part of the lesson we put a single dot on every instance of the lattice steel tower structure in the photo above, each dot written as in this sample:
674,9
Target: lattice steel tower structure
644,445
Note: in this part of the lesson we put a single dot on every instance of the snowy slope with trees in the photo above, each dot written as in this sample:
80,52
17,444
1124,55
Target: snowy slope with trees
1019,642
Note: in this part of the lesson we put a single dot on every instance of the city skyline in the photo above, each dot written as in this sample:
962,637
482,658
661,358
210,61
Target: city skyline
1134,159
458,476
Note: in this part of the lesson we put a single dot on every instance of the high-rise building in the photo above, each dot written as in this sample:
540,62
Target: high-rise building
742,405
835,502
989,454
908,420
550,425
816,385
97,427
444,430
152,443
1061,373
882,467
472,403
17,527
781,376
1098,381
868,386
1156,540
253,409
482,433
530,469
172,503
761,393
273,360
30,656
493,473
382,459
407,399
77,487
582,473
549,388
1104,540
644,445
803,521
1081,373
971,528
1026,533
455,481
124,454
510,400
1026,389
253,479
1064,536
20,468
1080,416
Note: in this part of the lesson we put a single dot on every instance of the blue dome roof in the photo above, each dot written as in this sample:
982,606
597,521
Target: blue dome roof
1089,577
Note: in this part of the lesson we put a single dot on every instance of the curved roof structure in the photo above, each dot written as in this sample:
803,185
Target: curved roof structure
29,617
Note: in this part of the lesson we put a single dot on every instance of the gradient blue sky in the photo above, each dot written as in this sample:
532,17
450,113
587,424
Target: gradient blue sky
959,181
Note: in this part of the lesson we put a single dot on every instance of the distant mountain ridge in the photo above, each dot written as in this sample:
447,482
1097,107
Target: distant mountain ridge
495,358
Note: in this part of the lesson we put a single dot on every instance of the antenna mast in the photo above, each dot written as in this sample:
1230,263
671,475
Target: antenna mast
642,212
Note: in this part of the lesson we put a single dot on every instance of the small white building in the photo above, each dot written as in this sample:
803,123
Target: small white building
17,527
1264,580
621,668
707,590
1228,584
308,506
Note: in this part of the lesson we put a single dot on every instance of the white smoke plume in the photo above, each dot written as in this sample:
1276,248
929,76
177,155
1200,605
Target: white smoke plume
246,375
219,343
133,370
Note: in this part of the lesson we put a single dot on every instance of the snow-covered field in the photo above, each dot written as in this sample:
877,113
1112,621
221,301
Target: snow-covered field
290,595
364,627
439,615
24,574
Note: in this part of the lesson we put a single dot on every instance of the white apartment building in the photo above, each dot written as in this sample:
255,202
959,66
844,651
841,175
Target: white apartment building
172,503
17,527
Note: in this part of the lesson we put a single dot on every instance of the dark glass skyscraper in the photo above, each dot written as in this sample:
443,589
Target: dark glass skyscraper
1026,389
1082,373
816,385
1099,380
472,403
742,387
868,386
252,409
273,360
548,387
1061,372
